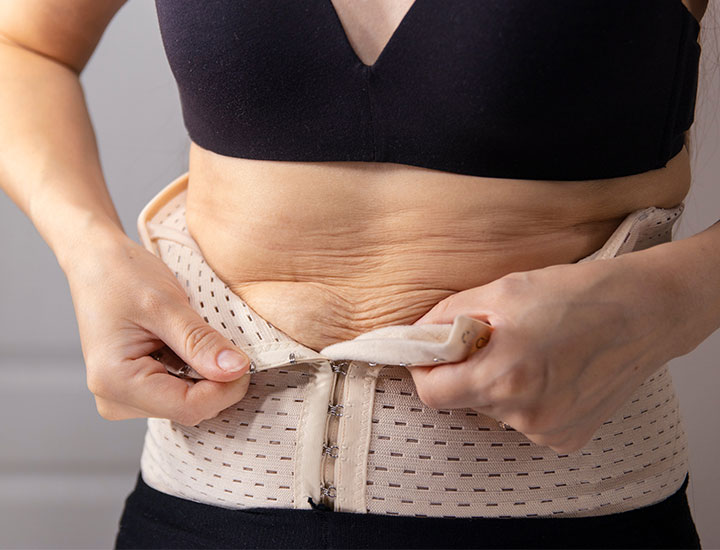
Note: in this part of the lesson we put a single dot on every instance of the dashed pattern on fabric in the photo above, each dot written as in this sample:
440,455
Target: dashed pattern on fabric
459,463
420,461
243,457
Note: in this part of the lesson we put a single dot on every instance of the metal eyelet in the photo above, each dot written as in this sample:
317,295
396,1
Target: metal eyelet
337,366
331,450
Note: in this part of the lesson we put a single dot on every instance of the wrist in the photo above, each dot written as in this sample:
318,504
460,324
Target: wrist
683,278
74,223
90,235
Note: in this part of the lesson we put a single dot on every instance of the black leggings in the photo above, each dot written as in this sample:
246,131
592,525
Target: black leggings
152,519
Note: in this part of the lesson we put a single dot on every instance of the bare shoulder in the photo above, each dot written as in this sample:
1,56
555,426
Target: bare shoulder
64,30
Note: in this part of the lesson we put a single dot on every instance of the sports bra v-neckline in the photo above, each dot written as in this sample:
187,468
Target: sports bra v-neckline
515,89
399,29
345,39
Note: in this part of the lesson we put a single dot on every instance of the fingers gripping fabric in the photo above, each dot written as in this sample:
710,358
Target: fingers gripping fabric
345,426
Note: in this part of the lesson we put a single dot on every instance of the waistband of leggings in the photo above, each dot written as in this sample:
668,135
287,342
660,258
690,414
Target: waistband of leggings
666,524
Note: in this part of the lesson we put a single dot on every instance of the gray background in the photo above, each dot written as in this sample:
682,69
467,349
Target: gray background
64,471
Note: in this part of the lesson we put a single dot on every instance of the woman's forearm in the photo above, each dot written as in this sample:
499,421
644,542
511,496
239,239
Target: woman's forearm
49,162
688,273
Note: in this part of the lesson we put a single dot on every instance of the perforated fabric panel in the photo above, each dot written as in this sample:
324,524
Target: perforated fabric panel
243,457
459,463
420,461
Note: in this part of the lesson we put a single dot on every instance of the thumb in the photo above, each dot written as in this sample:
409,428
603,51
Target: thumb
201,346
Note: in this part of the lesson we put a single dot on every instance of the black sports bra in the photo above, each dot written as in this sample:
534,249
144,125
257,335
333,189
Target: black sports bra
531,89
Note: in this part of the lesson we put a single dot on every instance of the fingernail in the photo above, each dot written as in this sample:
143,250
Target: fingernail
231,361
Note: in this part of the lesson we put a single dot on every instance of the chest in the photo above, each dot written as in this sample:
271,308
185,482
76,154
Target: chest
369,24
502,88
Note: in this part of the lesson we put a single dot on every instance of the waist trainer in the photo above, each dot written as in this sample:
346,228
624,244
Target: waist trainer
344,427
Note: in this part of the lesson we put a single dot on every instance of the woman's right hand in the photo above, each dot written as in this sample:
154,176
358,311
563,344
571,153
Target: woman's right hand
129,304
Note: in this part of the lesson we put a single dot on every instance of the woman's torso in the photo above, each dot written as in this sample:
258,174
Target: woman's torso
328,250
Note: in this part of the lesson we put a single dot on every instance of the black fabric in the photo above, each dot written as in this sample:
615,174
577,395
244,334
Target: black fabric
562,90
153,519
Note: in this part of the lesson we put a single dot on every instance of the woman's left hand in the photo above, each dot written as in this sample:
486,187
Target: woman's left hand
570,344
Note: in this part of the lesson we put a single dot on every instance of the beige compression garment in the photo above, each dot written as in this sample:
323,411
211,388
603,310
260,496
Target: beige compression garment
345,426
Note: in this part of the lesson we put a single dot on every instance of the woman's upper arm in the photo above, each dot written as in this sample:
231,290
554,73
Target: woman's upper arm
66,31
